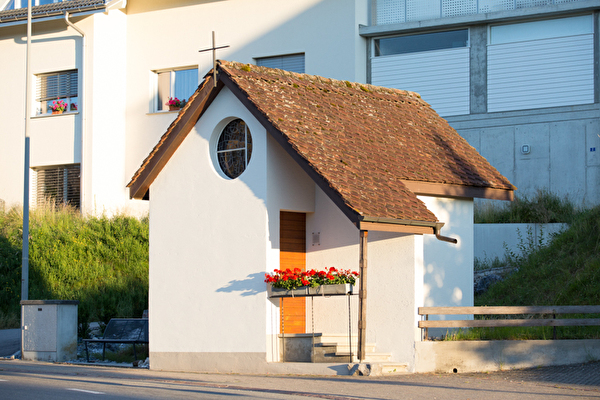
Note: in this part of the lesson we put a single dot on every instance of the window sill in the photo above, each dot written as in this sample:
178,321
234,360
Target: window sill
55,115
162,112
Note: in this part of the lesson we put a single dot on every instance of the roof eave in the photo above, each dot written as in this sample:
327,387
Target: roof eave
50,16
144,177
404,226
459,191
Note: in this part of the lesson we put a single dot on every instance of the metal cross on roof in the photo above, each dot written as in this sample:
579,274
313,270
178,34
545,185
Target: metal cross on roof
214,49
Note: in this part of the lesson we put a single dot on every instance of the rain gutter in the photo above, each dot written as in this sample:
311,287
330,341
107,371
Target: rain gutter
436,226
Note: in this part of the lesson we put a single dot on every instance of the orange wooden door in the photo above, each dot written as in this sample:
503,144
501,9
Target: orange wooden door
292,254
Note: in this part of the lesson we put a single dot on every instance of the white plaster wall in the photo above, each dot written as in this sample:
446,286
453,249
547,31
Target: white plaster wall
391,301
289,189
12,112
168,34
337,247
448,268
104,160
57,139
54,139
207,253
391,289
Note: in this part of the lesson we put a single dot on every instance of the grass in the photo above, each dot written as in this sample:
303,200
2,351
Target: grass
544,207
529,333
566,272
100,261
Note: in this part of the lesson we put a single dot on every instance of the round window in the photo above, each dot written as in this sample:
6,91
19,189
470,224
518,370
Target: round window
234,148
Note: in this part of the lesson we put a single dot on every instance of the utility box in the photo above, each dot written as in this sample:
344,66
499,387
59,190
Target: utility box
49,330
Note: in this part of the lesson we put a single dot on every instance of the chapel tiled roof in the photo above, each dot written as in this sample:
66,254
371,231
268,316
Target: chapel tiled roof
52,9
361,140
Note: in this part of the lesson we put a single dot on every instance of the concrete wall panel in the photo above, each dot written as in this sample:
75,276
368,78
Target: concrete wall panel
568,159
496,145
533,169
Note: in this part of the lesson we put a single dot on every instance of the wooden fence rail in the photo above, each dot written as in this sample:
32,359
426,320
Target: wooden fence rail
530,311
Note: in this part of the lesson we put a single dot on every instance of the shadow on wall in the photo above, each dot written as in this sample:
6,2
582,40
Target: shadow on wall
252,285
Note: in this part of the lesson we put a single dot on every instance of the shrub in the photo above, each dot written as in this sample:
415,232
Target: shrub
543,207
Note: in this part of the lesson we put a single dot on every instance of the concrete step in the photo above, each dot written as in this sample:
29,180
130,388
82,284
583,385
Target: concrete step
328,354
344,348
340,338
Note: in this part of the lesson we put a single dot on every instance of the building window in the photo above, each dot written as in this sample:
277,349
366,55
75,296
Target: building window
234,148
422,42
291,62
58,185
175,83
57,90
435,65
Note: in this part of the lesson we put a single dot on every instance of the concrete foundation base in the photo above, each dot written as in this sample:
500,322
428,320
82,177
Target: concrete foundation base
244,363
479,356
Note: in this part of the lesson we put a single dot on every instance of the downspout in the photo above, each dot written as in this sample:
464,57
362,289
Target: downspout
437,229
82,110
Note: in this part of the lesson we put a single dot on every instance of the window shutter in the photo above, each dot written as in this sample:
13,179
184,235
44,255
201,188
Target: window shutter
59,185
292,63
58,85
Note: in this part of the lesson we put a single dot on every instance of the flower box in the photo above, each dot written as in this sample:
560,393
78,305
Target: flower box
307,291
175,104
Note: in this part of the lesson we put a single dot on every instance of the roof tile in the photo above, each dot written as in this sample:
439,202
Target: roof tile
362,140
51,9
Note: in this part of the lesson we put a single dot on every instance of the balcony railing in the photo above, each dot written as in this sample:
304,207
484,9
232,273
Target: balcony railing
397,11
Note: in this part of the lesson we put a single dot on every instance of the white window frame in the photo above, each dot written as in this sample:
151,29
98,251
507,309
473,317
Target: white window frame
158,100
62,90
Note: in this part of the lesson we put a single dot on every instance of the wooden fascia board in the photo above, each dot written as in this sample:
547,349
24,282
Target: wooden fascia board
452,190
397,228
140,187
279,137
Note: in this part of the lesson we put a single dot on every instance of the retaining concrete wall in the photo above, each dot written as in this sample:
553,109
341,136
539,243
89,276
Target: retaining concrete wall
490,238
496,355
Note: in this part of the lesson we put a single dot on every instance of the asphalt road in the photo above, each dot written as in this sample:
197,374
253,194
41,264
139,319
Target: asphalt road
33,380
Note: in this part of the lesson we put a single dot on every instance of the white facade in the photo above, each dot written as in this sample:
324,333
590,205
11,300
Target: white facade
116,124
